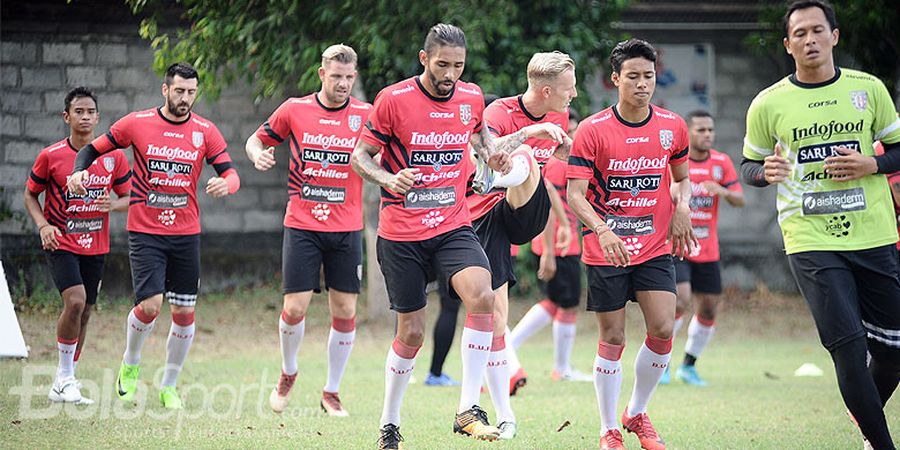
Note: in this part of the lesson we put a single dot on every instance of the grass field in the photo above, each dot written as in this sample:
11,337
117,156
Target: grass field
754,400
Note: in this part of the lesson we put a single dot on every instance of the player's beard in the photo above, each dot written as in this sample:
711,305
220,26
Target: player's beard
439,86
336,98
178,110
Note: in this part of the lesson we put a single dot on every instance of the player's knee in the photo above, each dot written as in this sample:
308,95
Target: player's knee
150,309
294,310
481,302
613,337
661,331
412,336
707,313
884,355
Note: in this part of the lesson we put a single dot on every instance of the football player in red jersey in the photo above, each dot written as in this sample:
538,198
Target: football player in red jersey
423,127
74,230
699,276
622,163
323,224
170,144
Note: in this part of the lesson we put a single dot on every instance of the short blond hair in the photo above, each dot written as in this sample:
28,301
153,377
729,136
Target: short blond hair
341,53
545,67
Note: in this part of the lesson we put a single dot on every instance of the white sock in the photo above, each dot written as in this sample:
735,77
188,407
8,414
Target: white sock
648,368
512,357
699,335
563,340
137,329
539,316
397,371
521,168
177,347
340,343
679,321
476,349
608,384
498,380
66,350
291,334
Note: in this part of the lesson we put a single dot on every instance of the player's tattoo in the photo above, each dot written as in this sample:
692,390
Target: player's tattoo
364,164
484,144
510,142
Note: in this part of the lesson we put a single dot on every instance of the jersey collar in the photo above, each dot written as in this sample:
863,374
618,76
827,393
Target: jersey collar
528,114
337,108
800,84
433,98
632,124
161,116
71,147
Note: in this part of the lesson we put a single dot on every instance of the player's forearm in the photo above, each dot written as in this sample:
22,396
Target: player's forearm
484,144
85,158
547,234
683,187
33,206
510,142
889,162
753,173
364,164
253,147
120,204
582,209
556,205
735,198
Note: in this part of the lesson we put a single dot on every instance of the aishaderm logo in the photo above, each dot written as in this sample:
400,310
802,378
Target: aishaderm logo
630,226
831,202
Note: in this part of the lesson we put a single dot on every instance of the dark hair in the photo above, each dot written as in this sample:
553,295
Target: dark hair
803,4
182,69
79,92
444,34
632,48
696,113
490,98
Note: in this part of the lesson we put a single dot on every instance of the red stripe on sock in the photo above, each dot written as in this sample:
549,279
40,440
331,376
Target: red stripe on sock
343,325
480,322
291,320
526,154
145,318
66,341
566,316
498,343
77,354
610,352
658,345
704,322
404,351
183,319
549,306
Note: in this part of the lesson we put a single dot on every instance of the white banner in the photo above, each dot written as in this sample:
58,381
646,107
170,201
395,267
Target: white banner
12,344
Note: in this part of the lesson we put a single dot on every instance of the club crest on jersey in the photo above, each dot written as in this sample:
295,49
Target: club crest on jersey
354,122
717,173
465,114
197,138
666,138
109,163
860,99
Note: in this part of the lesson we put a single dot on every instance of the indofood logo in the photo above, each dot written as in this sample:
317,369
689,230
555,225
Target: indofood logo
826,130
439,140
635,165
328,141
172,153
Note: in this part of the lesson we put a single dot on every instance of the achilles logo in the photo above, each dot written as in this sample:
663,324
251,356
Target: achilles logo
817,176
638,140
170,182
436,176
834,201
630,226
165,201
441,115
173,135
323,194
84,225
701,232
436,160
632,202
818,152
172,153
326,158
439,140
701,215
331,122
329,141
635,165
634,184
325,173
82,208
430,198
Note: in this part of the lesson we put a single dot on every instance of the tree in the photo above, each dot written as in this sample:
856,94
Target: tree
275,46
868,39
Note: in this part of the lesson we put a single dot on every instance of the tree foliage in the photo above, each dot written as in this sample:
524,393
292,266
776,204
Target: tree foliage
868,36
275,46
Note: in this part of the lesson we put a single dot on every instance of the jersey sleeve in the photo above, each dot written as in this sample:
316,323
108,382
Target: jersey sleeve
680,144
40,174
498,121
121,175
886,126
729,176
758,142
379,127
478,114
118,136
277,127
217,152
583,154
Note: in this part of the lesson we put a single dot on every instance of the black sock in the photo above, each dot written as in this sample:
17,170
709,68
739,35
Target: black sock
859,392
444,330
884,368
689,360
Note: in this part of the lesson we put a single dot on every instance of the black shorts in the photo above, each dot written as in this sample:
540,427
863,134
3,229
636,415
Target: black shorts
69,269
304,252
503,226
851,294
610,288
705,278
409,265
564,290
167,265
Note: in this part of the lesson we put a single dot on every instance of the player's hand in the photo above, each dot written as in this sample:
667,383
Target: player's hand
613,248
103,201
75,184
563,237
850,165
49,235
403,180
776,167
681,235
546,131
714,188
217,187
563,150
265,160
547,266
500,162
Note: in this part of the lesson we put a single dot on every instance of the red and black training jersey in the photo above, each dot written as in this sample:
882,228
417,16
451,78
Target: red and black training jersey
325,194
85,228
168,159
430,134
555,173
627,168
503,117
719,169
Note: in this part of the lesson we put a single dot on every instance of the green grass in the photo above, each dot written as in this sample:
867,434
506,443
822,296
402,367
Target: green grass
754,401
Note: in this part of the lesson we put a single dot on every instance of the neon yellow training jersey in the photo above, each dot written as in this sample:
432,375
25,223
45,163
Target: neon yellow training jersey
852,109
